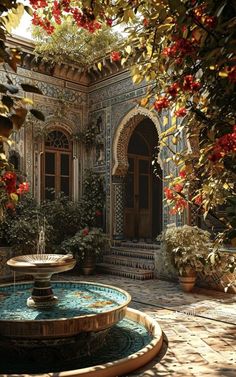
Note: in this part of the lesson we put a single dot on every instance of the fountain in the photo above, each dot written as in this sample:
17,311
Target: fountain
83,329
41,266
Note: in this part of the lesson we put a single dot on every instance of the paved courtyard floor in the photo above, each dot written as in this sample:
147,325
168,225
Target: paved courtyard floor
199,327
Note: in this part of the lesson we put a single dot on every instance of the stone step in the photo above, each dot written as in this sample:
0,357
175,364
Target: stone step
133,253
128,272
137,245
139,263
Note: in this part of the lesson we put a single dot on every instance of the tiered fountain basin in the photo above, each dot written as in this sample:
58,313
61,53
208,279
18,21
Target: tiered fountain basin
79,336
81,307
42,267
70,328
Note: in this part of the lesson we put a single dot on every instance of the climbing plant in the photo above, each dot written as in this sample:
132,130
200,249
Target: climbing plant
14,105
67,44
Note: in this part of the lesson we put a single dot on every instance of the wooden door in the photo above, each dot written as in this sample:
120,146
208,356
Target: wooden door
138,211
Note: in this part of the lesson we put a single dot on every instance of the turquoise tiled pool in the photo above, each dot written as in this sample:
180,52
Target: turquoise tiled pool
74,299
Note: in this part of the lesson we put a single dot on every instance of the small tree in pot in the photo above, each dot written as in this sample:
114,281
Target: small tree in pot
187,248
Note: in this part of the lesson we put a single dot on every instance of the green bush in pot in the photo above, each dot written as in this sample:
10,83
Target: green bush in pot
187,248
86,245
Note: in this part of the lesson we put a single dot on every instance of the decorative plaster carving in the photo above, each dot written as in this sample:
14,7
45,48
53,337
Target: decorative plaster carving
123,134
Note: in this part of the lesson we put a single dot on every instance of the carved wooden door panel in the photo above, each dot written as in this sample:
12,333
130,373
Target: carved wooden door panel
138,211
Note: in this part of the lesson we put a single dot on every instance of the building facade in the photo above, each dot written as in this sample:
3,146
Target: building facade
51,156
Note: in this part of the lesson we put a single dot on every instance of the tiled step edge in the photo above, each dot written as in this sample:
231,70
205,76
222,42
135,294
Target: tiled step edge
134,253
125,272
140,263
137,245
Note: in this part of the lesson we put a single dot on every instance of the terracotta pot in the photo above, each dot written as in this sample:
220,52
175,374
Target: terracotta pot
187,282
88,264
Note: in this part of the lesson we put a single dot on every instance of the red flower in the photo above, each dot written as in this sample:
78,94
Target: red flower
9,176
181,204
190,85
23,188
85,231
182,173
178,187
98,213
181,112
195,86
161,103
109,22
115,56
210,21
168,193
180,48
215,156
56,12
66,5
173,211
198,200
36,4
232,74
10,205
225,144
173,89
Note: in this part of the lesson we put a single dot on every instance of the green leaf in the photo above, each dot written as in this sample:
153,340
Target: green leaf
29,10
38,114
31,88
7,101
6,126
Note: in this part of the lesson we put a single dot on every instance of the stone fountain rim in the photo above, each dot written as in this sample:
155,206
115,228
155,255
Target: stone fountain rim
117,308
65,259
122,366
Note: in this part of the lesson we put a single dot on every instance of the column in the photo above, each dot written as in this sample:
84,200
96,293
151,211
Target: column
119,207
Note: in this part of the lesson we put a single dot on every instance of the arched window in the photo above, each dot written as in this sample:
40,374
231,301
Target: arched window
57,165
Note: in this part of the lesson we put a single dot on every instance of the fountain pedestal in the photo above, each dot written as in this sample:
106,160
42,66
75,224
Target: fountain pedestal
42,267
42,294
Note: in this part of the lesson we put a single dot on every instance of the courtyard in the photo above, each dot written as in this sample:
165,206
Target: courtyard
199,327
117,188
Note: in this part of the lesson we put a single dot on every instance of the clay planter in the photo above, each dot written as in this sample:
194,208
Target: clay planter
187,282
88,264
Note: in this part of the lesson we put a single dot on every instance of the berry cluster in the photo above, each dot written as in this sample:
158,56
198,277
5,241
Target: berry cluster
225,145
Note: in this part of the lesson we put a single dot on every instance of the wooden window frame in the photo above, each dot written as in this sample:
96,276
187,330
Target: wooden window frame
58,152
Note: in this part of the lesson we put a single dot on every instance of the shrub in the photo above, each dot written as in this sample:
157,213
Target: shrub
93,199
64,218
187,248
85,242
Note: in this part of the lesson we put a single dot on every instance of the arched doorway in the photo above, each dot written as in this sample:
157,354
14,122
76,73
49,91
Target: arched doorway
57,165
143,193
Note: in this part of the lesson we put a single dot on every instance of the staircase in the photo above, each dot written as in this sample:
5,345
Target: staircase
130,260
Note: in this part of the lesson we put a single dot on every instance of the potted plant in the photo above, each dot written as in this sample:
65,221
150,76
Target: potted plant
187,248
86,245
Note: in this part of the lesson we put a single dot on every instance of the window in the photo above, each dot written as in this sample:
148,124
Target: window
57,165
14,159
